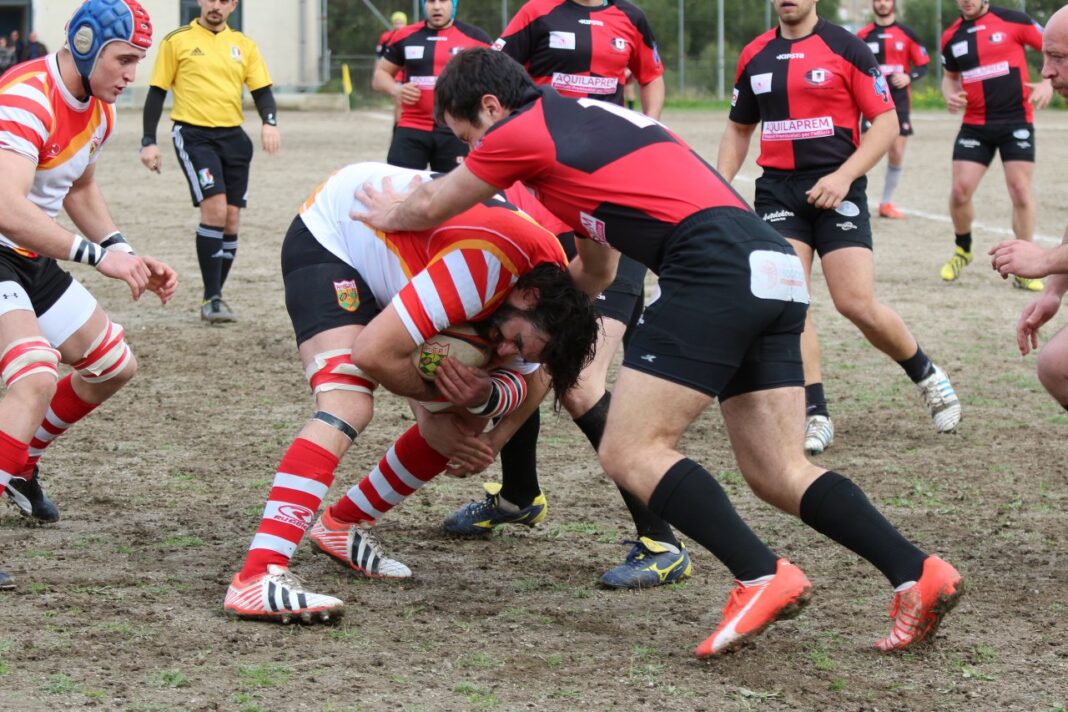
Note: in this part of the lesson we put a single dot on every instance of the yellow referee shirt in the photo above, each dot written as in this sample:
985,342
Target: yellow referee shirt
206,70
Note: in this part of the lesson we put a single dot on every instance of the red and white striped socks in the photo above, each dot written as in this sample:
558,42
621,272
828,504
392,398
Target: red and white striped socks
65,410
304,475
408,465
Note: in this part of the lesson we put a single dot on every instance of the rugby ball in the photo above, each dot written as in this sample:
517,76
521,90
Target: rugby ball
460,342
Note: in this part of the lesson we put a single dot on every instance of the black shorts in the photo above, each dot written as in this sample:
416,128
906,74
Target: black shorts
626,292
214,161
781,202
42,278
731,310
1015,142
904,123
322,291
412,148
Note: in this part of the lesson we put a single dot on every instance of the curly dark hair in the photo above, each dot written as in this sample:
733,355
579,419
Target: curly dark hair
565,313
472,74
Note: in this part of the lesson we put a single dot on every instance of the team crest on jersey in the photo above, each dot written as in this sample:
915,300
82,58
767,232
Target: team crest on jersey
499,44
899,46
997,37
455,51
656,54
205,178
93,145
734,97
348,297
818,76
619,44
235,53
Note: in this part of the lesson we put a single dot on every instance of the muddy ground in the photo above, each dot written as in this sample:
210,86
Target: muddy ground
119,605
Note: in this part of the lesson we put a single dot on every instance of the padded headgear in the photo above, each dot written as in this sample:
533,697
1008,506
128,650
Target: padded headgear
398,15
98,23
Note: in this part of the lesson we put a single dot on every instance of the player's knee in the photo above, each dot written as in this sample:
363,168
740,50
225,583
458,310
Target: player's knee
960,194
108,359
29,369
1053,372
859,310
355,409
332,376
1020,194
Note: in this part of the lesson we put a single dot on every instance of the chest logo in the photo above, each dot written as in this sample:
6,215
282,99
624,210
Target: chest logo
997,37
899,46
818,76
93,145
561,40
619,44
959,49
235,53
761,83
197,52
413,52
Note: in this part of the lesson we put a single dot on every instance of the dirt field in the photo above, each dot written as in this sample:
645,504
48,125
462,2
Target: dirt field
119,605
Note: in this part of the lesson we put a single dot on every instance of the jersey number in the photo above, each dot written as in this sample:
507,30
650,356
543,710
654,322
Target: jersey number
640,120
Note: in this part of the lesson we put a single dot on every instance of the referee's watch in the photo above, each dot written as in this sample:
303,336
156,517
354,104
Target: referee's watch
147,141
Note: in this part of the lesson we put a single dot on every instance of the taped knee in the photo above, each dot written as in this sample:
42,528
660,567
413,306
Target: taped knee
335,422
26,357
335,371
106,357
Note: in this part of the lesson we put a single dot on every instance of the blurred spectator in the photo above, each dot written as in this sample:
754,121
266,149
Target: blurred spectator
7,55
14,41
33,49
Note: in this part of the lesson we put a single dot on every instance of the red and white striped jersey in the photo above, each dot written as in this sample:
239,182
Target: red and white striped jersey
459,271
41,120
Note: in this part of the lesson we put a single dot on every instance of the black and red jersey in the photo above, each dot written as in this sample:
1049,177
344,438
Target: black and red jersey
988,53
423,52
898,50
629,188
383,40
582,51
809,94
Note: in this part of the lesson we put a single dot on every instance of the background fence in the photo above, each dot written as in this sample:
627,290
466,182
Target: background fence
700,53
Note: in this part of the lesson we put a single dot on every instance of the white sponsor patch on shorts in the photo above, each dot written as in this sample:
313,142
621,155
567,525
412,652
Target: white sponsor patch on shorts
848,208
778,276
987,71
797,129
1021,134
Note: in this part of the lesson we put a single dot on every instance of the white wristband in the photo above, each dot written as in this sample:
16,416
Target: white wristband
86,252
117,241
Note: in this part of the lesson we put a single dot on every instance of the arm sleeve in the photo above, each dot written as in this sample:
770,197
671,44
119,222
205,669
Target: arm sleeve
166,66
518,40
948,60
393,52
867,83
1032,36
266,106
744,106
256,75
153,110
645,62
918,71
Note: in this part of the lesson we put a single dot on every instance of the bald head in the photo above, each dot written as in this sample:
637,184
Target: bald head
1055,51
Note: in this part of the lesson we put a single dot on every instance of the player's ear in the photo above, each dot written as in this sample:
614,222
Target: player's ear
525,298
492,106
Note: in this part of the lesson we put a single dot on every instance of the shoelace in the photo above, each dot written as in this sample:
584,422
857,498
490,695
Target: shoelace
372,541
937,394
636,553
289,579
734,600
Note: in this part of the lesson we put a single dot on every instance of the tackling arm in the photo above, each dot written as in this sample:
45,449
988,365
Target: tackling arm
383,350
430,204
594,268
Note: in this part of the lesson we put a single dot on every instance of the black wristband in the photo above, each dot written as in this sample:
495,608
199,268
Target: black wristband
147,141
116,241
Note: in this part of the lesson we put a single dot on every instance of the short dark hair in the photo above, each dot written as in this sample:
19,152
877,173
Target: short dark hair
472,74
566,314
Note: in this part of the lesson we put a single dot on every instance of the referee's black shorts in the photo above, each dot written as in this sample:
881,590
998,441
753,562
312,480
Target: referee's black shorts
214,161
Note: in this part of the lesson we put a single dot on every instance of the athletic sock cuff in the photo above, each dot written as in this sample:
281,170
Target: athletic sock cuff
812,499
675,476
